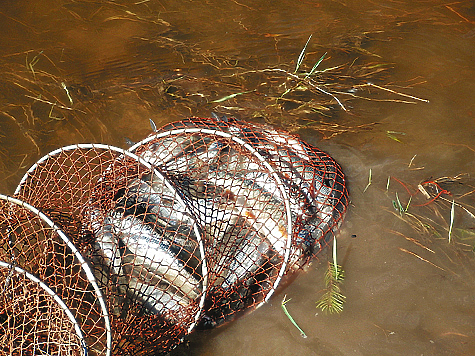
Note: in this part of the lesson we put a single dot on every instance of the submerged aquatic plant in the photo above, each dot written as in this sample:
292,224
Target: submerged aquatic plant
430,212
332,300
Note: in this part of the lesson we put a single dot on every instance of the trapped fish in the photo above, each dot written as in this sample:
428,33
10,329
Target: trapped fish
313,180
133,250
243,182
153,203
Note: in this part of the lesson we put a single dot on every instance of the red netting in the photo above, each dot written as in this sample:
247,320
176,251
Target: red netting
33,244
141,244
242,206
194,225
257,192
32,319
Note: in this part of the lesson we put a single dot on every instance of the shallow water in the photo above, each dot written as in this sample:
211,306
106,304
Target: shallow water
127,61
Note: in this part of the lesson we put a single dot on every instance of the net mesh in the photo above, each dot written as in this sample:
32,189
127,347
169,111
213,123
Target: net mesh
191,227
32,320
141,244
240,204
32,245
268,203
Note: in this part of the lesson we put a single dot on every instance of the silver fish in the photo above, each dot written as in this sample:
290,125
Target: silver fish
158,300
132,249
251,252
245,226
231,186
156,205
236,252
315,184
309,178
182,153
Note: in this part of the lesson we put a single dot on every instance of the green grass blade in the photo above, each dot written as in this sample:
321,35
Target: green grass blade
284,308
316,65
302,55
335,265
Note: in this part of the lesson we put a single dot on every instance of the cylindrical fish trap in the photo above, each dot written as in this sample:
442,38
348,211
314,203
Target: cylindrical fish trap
45,287
137,235
243,209
314,181
33,318
268,203
129,250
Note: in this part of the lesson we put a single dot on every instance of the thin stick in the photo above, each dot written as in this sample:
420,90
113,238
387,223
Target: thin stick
411,240
308,81
51,103
459,15
451,220
369,181
395,92
63,85
419,257
460,206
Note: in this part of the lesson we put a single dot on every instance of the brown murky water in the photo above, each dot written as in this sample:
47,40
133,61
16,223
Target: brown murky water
96,71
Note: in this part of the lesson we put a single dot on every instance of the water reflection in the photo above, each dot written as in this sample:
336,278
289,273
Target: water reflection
80,71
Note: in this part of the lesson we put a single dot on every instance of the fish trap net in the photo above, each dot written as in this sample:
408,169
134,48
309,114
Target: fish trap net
140,242
33,318
49,302
267,203
193,226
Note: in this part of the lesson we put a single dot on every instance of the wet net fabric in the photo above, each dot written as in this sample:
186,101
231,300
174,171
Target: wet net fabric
142,246
48,301
33,319
314,182
191,227
268,203
241,206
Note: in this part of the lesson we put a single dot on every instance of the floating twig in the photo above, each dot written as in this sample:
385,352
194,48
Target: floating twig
369,181
51,103
397,93
411,240
452,213
421,258
31,64
63,85
231,96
